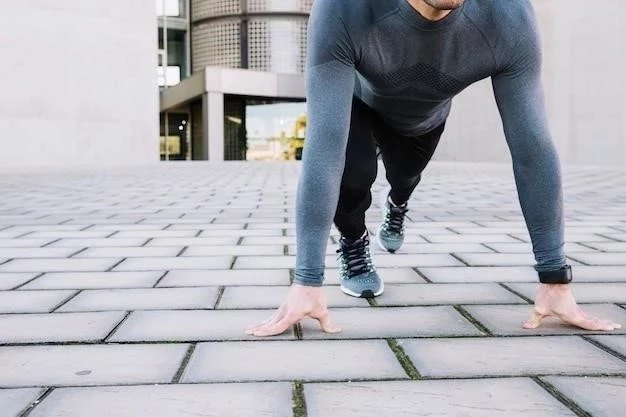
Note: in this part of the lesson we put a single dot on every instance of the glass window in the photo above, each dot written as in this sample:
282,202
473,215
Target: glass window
172,8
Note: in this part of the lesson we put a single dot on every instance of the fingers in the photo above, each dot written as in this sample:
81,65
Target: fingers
534,321
276,327
326,323
269,321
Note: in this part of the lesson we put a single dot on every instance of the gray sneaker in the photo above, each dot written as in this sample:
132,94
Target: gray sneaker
390,234
357,273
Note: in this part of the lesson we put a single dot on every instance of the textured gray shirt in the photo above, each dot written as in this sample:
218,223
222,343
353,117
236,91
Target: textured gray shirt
408,69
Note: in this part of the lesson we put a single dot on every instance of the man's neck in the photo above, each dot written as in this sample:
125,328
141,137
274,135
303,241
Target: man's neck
427,11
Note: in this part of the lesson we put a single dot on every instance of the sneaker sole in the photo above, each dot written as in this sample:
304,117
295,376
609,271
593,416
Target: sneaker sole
380,242
366,293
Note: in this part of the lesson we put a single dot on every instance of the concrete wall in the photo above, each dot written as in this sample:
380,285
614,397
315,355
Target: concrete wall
78,82
584,70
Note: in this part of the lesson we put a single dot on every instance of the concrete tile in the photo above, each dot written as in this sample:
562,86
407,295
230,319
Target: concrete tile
511,397
28,253
130,252
234,250
609,246
600,397
430,294
616,258
283,361
143,299
382,323
154,233
583,292
9,281
58,265
566,355
14,401
389,275
508,320
264,262
454,238
57,327
201,400
272,297
23,243
193,241
527,248
617,343
569,237
191,278
497,259
98,243
173,263
31,301
25,366
481,274
271,240
76,234
599,273
200,325
241,233
93,280
403,260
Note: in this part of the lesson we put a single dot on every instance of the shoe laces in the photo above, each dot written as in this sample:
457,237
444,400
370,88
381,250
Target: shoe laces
355,257
394,218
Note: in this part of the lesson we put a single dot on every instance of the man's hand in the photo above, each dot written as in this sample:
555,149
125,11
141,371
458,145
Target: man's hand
300,302
557,300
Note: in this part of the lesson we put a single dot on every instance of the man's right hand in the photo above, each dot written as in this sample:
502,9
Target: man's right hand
300,302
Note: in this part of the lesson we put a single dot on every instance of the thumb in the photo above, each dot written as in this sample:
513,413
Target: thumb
325,322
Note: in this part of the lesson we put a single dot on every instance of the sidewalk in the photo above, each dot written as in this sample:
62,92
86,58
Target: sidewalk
126,293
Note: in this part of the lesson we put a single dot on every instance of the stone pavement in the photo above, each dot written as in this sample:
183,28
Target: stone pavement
125,293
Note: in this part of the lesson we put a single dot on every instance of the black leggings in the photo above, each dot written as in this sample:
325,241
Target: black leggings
404,158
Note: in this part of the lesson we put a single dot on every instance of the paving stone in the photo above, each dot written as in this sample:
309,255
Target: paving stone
24,366
59,265
600,397
14,401
509,356
401,260
57,327
173,263
508,320
480,274
510,397
616,236
9,281
271,240
32,301
233,250
199,325
155,233
617,343
382,323
191,278
241,233
206,226
283,360
497,259
130,252
96,243
23,243
430,294
455,238
264,262
527,248
609,246
93,280
389,275
143,299
583,292
193,241
272,297
599,273
87,234
27,253
569,237
600,258
199,400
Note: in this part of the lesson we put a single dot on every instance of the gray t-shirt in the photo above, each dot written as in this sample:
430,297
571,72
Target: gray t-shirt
408,69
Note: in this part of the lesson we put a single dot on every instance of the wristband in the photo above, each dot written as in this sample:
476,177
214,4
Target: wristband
560,276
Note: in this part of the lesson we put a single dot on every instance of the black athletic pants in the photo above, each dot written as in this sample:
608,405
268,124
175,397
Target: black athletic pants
404,158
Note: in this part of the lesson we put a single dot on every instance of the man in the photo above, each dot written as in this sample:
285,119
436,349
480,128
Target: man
382,73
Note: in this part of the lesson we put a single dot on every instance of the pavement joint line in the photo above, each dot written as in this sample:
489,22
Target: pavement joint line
422,275
372,302
609,237
183,364
111,268
239,241
452,230
114,329
86,227
6,262
573,258
455,256
590,246
77,252
562,398
298,399
62,303
511,235
481,327
198,233
297,331
232,264
23,235
31,407
29,281
183,250
111,234
150,239
517,293
158,281
220,294
425,238
489,247
601,346
404,359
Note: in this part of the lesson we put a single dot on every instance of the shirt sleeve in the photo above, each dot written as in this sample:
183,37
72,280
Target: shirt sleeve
519,95
330,78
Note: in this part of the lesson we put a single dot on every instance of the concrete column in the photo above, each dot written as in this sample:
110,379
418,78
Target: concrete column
213,125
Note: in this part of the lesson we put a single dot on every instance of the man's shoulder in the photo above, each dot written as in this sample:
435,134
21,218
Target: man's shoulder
501,19
359,12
